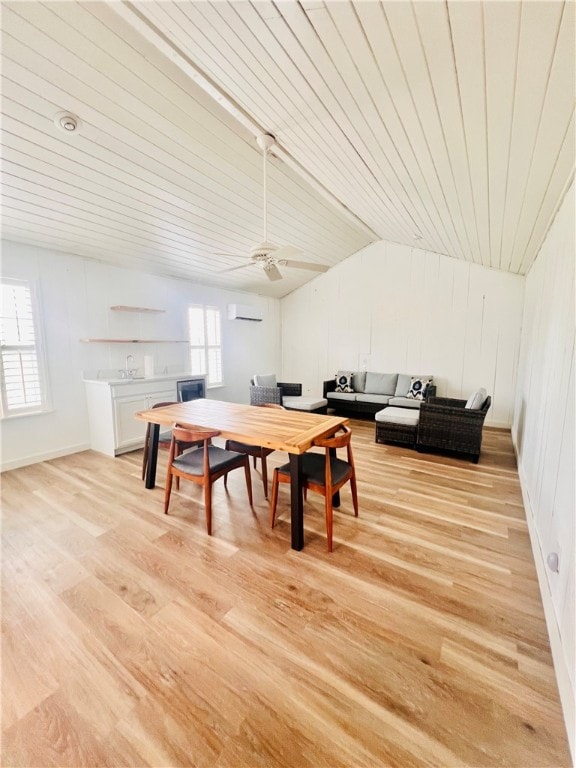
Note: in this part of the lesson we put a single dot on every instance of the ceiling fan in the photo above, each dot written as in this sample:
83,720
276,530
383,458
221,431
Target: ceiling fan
266,254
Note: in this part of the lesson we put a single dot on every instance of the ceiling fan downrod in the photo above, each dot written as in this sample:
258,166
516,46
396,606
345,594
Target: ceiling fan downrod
265,141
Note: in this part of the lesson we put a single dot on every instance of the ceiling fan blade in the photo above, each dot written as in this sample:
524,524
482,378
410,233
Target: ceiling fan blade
286,252
272,272
233,269
305,265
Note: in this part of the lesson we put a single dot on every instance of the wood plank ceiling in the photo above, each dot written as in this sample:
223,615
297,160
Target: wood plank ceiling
443,125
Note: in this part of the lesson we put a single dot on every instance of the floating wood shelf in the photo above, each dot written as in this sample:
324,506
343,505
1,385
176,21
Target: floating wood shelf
135,341
123,308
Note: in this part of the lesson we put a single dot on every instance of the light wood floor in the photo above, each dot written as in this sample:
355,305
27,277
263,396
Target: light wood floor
134,639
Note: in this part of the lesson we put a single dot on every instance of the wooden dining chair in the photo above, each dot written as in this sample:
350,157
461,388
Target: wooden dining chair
164,440
256,451
202,465
324,474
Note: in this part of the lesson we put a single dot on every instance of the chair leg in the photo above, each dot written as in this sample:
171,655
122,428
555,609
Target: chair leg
177,453
354,494
329,520
264,475
226,481
274,497
248,479
255,462
208,506
167,491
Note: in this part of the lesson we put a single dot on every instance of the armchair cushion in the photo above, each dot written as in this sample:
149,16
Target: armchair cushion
344,381
476,399
402,385
265,380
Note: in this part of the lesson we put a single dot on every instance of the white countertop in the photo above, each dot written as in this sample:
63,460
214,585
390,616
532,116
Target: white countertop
140,379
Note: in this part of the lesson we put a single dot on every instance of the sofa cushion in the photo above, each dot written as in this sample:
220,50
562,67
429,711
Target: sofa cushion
380,383
476,399
419,387
405,402
398,416
359,381
265,380
347,396
402,385
344,381
303,403
369,398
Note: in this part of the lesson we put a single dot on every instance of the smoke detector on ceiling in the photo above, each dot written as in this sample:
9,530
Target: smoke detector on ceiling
67,122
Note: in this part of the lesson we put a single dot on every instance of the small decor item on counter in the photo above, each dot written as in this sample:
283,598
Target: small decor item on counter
148,366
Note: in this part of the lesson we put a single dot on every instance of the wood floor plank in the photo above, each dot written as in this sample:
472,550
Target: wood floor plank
131,638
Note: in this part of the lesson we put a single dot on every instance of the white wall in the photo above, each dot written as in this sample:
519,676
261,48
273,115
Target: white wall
75,296
392,308
543,433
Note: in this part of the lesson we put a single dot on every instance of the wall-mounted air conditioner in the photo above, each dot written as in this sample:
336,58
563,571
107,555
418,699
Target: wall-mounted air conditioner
244,312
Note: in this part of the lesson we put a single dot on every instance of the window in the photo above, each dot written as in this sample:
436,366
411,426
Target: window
205,343
21,375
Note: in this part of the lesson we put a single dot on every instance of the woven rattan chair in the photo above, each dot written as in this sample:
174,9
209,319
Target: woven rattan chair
287,394
324,474
256,451
445,424
202,465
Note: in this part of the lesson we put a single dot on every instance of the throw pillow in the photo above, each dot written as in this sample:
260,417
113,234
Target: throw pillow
476,399
418,388
265,380
344,381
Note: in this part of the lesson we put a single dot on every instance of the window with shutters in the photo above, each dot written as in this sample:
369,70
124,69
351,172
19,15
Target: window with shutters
22,381
206,343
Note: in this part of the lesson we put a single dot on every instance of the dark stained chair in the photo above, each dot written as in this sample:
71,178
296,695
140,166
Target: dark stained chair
324,474
202,465
256,451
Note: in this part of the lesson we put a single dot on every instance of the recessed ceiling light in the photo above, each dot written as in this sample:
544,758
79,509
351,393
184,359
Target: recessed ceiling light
66,121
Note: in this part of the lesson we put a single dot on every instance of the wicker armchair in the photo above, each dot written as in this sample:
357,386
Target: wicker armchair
262,395
287,394
446,424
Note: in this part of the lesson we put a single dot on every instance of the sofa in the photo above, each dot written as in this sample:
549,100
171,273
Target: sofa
364,393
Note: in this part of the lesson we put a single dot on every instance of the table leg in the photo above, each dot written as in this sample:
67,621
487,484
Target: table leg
296,502
152,455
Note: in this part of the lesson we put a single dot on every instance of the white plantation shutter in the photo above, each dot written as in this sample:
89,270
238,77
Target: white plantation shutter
205,343
22,387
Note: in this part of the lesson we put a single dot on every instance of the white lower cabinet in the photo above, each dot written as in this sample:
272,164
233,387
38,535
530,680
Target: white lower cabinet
111,408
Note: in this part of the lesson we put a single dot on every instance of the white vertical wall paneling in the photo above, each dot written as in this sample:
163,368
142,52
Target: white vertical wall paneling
76,295
423,313
544,434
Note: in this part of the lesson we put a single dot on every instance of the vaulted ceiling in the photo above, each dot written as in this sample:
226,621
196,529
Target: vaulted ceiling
447,126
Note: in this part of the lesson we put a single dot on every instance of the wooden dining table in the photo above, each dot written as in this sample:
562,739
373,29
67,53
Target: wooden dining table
281,430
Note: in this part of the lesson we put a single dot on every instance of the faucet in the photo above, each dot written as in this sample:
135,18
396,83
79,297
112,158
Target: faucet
129,359
129,370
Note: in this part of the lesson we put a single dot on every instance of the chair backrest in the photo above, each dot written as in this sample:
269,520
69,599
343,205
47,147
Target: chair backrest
186,434
272,405
162,405
332,443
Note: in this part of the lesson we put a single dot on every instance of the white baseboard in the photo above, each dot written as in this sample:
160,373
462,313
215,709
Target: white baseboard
34,459
560,665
